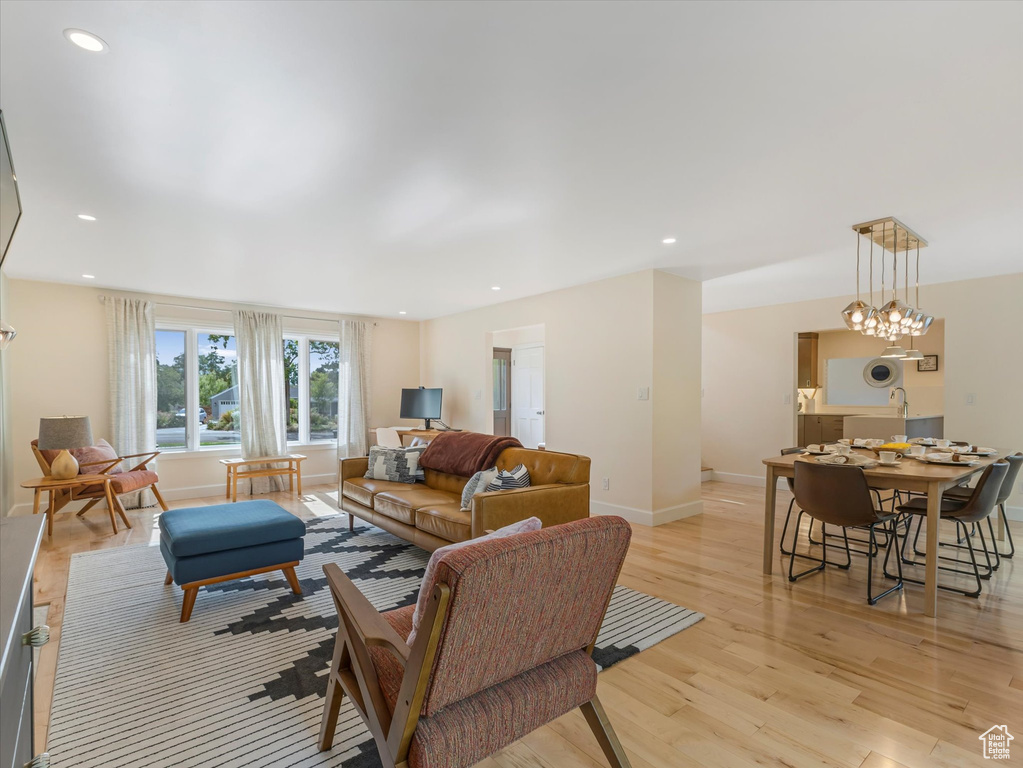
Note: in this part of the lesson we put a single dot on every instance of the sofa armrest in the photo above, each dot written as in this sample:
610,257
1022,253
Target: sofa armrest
554,504
353,468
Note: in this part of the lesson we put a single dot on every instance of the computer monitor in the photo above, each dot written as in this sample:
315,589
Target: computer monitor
421,403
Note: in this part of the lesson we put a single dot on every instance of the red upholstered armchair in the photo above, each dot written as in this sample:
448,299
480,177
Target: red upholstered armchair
502,649
102,459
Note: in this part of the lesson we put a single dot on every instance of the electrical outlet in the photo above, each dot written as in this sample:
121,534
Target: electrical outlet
970,399
478,395
643,393
607,484
788,399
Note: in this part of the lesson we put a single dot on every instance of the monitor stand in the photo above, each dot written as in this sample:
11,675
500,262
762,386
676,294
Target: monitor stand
427,424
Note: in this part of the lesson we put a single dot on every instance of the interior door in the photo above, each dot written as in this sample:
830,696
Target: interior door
528,416
502,391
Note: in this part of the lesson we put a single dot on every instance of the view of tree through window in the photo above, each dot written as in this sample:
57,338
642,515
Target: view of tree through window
218,390
291,385
170,389
323,389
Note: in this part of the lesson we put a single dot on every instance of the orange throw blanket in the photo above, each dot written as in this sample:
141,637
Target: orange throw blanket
464,453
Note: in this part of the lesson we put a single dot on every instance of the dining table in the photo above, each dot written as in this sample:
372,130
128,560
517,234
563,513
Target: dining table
909,475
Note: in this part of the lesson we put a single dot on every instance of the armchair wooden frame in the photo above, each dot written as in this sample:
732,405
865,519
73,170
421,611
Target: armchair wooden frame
361,627
104,467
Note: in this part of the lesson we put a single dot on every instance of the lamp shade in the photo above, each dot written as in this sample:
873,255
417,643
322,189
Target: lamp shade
64,432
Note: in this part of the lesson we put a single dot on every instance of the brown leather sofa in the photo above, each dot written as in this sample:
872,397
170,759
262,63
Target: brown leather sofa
429,514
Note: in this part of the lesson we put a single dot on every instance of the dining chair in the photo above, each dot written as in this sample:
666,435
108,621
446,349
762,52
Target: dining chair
979,506
388,437
788,515
964,492
839,495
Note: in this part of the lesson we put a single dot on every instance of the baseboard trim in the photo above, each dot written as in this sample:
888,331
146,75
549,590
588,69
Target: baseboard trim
1014,513
645,516
188,492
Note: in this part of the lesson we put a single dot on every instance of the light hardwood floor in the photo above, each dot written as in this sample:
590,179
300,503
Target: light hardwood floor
803,674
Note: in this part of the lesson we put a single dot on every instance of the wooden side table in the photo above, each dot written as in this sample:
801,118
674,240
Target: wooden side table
52,486
240,468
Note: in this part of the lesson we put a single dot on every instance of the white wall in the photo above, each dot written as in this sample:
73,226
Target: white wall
599,350
749,369
515,337
58,364
6,454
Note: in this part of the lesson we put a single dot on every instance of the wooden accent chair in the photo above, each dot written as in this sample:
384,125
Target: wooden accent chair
502,648
102,459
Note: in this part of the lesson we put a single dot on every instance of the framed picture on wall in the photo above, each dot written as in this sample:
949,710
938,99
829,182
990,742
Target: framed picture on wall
929,363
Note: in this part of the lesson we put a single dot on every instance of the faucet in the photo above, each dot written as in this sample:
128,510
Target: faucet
905,402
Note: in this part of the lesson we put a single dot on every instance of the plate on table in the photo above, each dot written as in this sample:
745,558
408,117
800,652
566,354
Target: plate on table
808,452
981,451
950,462
923,441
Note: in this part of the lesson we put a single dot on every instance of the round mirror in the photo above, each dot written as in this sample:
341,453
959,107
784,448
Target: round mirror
880,372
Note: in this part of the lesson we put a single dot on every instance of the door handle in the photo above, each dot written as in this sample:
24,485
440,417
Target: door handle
539,413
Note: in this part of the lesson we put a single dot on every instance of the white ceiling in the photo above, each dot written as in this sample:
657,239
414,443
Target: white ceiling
377,157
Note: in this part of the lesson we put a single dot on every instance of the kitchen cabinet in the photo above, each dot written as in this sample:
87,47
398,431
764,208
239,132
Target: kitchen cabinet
806,361
820,428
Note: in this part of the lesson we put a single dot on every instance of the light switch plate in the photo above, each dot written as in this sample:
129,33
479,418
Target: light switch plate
970,399
643,394
478,394
607,483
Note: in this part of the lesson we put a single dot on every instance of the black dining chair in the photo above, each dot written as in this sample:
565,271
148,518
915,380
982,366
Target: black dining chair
839,495
788,515
975,509
964,492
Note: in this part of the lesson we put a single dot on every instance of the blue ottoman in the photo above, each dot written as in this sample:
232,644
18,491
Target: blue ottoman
207,545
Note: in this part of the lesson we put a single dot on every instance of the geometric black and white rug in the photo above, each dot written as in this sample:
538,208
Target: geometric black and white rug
242,683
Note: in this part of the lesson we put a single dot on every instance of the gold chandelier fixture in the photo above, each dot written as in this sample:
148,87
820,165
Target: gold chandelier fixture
895,318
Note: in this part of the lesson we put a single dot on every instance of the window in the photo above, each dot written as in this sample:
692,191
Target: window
311,384
218,412
323,389
198,396
171,388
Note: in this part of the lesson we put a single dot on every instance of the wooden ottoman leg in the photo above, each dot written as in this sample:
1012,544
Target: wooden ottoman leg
188,603
351,521
289,574
169,579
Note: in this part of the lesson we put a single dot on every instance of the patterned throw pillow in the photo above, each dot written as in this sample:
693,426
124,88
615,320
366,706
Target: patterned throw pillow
505,480
430,577
477,484
400,465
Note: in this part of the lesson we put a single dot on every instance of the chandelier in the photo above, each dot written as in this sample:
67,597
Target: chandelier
895,318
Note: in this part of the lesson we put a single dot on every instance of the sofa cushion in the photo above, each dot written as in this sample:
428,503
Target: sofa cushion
478,484
396,464
401,505
362,489
101,451
197,530
448,521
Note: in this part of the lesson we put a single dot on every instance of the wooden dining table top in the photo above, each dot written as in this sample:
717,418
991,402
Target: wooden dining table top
908,470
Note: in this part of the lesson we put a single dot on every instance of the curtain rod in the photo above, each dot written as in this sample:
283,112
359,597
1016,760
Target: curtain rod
103,299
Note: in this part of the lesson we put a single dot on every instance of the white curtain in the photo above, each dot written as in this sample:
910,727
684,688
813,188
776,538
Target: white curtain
131,334
260,338
353,390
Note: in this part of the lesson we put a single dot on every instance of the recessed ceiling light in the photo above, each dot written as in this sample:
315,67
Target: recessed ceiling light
89,277
668,240
403,312
495,287
86,40
86,217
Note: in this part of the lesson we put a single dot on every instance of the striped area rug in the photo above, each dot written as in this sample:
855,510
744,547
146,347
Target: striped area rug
242,683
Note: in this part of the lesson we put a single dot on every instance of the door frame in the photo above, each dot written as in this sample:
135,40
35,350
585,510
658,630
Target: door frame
508,389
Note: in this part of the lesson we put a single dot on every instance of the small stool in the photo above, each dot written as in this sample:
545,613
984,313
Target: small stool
207,545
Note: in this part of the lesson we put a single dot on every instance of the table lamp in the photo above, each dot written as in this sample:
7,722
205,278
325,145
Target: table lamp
59,433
